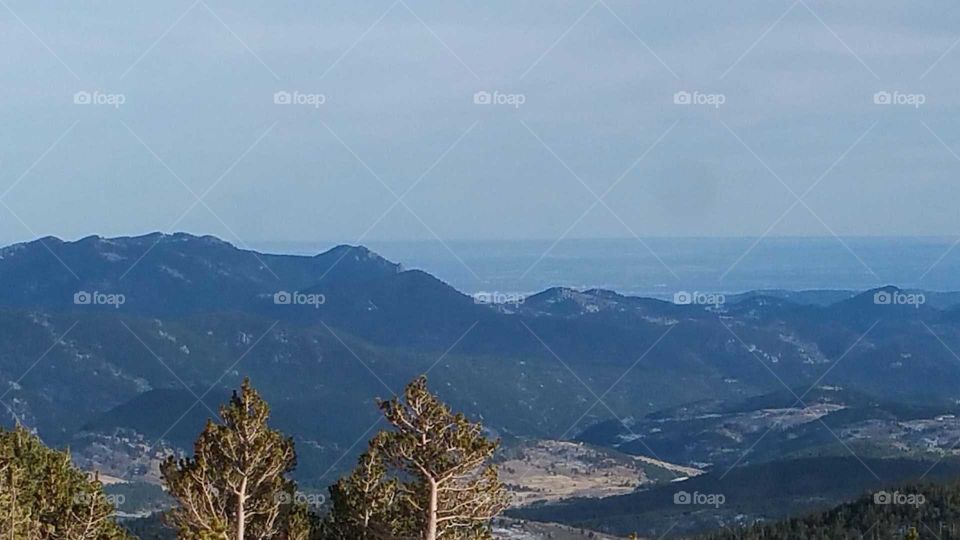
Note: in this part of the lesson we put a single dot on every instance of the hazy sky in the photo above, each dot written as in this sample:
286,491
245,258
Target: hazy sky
183,106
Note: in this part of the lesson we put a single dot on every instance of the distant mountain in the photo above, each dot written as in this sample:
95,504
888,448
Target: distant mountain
814,297
174,274
937,299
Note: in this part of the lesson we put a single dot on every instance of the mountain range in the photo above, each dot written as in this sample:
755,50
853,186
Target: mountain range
120,348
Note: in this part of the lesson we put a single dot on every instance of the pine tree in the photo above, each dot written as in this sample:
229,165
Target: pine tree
301,524
429,477
365,505
16,521
235,486
43,497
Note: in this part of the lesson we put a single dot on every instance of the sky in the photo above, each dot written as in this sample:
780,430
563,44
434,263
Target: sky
405,119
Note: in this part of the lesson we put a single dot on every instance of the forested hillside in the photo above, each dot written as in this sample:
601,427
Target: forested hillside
906,512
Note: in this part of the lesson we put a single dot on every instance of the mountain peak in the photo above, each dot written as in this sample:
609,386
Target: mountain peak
877,295
352,259
886,301
357,251
162,237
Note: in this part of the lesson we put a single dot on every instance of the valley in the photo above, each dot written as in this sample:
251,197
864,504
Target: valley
547,471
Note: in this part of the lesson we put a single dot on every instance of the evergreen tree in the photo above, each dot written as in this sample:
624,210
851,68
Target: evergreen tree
365,505
235,486
43,497
15,518
427,478
301,524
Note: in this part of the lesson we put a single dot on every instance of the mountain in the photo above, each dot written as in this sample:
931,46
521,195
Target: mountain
176,274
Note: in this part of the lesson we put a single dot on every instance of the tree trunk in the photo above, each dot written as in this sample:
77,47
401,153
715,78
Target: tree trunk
241,514
13,505
431,532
